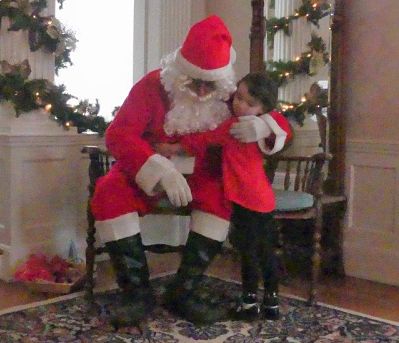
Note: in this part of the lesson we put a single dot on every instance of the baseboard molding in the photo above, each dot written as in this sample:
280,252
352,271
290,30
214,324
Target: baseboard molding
371,264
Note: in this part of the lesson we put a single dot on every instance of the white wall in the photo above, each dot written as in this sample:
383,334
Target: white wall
161,37
371,109
237,16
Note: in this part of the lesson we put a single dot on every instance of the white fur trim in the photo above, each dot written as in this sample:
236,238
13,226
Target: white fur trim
183,164
281,135
196,72
209,225
120,227
151,172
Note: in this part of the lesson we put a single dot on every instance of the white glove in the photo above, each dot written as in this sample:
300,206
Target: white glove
250,129
176,188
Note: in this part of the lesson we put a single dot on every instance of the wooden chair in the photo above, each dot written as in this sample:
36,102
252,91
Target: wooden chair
305,201
99,165
302,198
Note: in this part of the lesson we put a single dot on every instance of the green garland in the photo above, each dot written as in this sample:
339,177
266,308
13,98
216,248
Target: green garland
26,95
44,32
313,10
308,63
311,103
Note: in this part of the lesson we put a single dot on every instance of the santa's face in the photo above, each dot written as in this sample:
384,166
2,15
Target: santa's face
201,88
196,106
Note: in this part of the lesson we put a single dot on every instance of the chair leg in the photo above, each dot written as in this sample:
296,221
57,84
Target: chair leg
90,257
316,259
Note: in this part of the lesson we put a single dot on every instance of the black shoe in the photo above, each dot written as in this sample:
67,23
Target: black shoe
270,307
248,308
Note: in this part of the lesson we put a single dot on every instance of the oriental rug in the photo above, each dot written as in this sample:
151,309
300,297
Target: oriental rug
66,320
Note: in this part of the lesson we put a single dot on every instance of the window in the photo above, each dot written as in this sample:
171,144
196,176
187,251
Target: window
103,60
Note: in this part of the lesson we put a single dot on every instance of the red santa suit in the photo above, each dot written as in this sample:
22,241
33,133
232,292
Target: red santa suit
129,138
151,114
244,179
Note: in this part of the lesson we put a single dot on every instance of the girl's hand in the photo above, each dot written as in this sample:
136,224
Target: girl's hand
168,149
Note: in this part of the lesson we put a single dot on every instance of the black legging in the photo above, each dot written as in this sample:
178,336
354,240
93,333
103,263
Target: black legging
254,234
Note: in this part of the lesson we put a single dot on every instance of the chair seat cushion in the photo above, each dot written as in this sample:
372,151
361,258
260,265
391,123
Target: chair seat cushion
285,201
292,201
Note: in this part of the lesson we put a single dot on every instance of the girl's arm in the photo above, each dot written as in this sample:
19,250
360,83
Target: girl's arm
197,143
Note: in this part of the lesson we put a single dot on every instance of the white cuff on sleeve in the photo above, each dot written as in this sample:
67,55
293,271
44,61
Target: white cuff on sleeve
151,172
280,134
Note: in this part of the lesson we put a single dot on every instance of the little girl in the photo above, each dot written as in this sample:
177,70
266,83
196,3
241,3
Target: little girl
248,189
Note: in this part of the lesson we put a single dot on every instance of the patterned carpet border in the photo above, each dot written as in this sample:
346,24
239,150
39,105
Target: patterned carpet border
319,303
65,319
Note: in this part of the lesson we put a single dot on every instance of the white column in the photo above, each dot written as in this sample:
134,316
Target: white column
14,48
43,175
287,48
268,12
167,25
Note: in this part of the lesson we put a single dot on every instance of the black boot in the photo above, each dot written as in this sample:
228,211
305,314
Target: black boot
130,264
183,297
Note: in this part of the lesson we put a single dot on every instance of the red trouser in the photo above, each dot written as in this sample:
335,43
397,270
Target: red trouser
115,195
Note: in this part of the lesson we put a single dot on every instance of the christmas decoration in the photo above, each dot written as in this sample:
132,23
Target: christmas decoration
41,267
26,95
51,275
308,63
44,32
313,10
312,102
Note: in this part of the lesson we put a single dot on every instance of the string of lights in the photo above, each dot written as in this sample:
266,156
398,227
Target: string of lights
312,10
25,95
44,32
308,63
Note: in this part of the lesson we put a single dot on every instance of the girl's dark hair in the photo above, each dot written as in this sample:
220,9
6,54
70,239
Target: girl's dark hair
262,88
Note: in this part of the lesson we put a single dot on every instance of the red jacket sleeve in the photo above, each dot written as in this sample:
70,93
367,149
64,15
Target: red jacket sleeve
197,143
124,137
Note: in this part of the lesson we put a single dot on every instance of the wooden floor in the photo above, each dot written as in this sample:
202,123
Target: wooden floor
358,295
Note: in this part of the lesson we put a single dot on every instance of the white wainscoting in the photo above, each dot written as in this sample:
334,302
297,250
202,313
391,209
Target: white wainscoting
371,237
43,196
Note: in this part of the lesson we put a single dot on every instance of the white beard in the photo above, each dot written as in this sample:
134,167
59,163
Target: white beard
190,113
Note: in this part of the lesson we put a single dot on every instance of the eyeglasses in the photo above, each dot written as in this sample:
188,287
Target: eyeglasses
197,84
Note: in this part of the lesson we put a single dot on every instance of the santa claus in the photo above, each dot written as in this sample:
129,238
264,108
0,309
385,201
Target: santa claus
189,93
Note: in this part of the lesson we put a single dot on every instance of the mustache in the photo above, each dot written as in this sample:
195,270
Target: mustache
184,89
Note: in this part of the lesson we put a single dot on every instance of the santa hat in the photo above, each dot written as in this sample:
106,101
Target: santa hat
207,53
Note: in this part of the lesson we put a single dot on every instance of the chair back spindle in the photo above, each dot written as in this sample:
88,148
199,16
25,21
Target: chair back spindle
305,171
